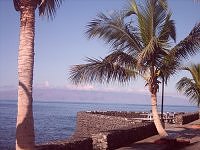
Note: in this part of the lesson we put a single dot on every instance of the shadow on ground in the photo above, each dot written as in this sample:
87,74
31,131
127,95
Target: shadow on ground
181,133
152,146
185,132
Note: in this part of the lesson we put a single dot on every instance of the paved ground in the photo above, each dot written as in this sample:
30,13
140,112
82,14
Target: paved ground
189,132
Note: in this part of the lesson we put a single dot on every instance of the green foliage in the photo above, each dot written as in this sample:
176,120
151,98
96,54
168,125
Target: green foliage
191,87
104,70
140,39
46,7
189,46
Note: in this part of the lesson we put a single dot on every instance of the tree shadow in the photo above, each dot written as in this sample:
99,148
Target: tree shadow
146,146
187,133
29,94
153,146
25,137
184,133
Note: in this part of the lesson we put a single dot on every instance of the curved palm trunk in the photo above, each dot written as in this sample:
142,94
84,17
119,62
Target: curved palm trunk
156,117
25,138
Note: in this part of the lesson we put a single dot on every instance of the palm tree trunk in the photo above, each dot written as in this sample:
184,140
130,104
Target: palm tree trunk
156,118
25,138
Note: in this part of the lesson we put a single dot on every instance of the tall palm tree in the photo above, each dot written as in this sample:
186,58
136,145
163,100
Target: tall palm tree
140,42
25,138
191,86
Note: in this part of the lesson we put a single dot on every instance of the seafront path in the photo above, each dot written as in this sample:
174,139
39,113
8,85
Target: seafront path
188,132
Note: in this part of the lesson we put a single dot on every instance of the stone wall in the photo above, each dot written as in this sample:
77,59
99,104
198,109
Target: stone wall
186,118
111,140
94,122
125,114
71,144
112,129
104,130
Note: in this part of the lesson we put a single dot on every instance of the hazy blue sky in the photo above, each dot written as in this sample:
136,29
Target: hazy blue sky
62,42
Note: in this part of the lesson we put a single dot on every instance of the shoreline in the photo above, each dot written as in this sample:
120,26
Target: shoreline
61,125
93,102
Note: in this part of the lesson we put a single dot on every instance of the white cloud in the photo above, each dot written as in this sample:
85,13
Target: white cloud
89,87
80,87
107,88
44,84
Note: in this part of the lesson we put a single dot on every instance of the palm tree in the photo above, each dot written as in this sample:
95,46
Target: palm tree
191,86
25,138
139,48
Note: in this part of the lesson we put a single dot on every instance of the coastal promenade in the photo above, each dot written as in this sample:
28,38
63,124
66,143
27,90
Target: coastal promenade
188,132
120,130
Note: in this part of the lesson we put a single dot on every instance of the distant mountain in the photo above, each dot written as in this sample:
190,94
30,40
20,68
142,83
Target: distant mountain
62,94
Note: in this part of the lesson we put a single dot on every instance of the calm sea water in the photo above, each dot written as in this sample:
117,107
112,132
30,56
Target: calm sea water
57,120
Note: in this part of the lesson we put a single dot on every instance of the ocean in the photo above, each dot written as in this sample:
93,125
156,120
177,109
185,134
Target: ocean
57,120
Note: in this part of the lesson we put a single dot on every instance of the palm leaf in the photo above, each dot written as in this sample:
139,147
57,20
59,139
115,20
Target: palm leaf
16,5
122,59
152,54
48,7
168,67
132,8
189,46
167,29
195,72
100,71
113,30
191,87
150,18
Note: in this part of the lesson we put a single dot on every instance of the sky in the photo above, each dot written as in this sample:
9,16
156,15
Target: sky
61,43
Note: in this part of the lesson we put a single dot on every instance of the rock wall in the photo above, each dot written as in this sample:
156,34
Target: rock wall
111,140
112,129
125,114
94,122
71,144
104,131
186,118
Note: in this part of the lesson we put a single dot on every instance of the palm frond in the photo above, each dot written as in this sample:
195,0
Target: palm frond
184,83
150,17
167,29
163,3
168,67
189,46
48,7
153,53
113,30
16,4
191,87
147,53
188,87
132,8
100,71
194,69
122,59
